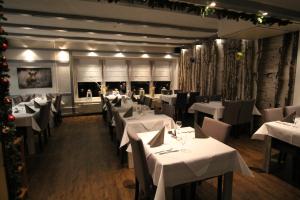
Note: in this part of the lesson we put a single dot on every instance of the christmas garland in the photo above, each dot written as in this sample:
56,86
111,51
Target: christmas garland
256,18
8,136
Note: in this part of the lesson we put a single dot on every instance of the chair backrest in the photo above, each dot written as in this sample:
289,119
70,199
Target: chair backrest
231,112
109,114
245,115
273,114
148,102
290,109
216,129
215,98
202,99
57,103
168,110
27,98
142,99
44,115
141,169
17,99
119,125
192,98
181,100
177,91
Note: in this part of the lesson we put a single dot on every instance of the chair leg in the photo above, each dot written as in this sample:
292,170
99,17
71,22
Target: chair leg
40,141
137,189
220,187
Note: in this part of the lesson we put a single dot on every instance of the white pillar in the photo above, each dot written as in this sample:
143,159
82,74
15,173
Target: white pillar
297,78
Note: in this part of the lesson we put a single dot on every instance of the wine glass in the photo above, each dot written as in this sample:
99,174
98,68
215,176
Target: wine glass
178,126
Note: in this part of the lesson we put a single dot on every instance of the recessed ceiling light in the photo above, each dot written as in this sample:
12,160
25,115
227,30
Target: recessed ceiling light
219,41
60,18
212,4
92,54
145,55
27,28
119,55
145,36
62,31
92,33
198,46
167,38
119,34
168,56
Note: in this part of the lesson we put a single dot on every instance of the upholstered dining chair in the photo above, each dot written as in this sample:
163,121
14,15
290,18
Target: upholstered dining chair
202,99
42,120
148,101
144,184
57,106
219,131
246,116
168,110
192,99
215,97
231,112
291,109
180,105
17,99
109,117
119,127
273,114
216,129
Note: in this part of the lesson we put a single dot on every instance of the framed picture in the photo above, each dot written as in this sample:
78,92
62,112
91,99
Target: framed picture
34,78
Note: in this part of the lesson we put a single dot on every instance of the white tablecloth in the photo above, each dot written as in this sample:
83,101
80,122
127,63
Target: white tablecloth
200,159
24,119
170,99
214,108
148,121
126,105
113,96
283,131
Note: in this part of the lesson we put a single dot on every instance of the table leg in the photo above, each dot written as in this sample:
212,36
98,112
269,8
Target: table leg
195,118
30,141
169,193
227,188
268,143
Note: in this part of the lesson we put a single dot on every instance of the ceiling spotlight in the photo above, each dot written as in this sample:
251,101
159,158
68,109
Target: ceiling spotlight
212,4
264,13
27,28
92,33
92,54
63,31
168,56
198,46
219,41
145,55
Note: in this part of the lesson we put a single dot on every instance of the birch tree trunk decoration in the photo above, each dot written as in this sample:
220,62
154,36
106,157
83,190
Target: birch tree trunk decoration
259,71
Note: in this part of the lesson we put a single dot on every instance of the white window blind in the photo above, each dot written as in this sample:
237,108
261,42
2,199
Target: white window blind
140,70
161,71
115,71
89,70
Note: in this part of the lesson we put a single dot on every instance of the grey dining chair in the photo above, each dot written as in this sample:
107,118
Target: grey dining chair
57,106
231,112
273,114
180,105
168,110
215,97
109,117
246,117
216,129
291,109
192,99
144,184
43,118
119,128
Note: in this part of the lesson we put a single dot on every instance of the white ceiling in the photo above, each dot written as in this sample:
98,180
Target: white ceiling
90,22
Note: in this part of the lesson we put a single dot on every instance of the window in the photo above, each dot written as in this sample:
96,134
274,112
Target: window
121,86
160,85
136,85
83,87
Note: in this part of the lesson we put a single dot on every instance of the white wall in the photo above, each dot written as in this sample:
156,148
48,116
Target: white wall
41,59
297,79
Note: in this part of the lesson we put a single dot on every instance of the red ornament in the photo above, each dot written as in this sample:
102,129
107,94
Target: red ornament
4,45
11,118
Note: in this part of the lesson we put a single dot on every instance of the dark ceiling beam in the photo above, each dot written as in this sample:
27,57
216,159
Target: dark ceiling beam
87,39
108,20
81,30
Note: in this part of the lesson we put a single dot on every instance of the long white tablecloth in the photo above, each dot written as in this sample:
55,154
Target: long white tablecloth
214,108
200,159
145,122
170,99
283,131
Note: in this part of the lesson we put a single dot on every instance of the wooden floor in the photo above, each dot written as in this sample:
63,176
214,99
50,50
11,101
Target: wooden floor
80,162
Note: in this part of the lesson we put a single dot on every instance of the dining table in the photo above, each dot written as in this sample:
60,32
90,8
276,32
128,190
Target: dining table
142,121
28,120
288,133
185,159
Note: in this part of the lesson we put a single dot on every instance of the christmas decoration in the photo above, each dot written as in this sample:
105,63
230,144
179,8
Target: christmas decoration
11,142
208,10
